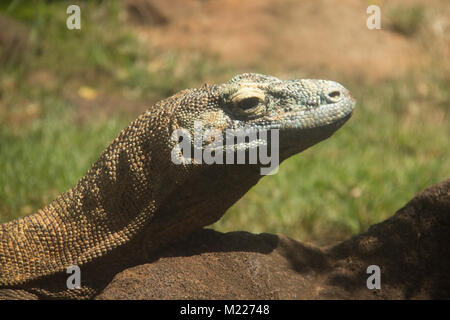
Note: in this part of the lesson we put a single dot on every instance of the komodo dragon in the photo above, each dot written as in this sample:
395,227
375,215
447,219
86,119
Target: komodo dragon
135,199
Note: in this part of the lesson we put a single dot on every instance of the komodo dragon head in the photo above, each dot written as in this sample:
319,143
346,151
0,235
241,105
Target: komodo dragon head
303,112
147,190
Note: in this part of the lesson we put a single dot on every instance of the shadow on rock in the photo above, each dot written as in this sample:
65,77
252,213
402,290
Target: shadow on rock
411,249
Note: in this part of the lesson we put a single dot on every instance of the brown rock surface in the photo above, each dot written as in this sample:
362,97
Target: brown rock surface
411,248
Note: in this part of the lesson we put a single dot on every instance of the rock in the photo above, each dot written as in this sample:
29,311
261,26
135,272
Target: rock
411,249
13,40
146,12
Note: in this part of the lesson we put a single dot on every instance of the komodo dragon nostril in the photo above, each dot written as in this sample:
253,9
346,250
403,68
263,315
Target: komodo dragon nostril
334,95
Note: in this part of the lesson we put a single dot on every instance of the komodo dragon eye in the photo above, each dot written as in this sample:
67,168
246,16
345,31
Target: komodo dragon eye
248,103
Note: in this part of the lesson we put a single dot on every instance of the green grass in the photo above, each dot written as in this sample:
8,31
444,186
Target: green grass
395,145
47,157
104,53
406,20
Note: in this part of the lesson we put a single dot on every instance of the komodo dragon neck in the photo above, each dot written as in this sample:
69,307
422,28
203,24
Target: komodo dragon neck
134,190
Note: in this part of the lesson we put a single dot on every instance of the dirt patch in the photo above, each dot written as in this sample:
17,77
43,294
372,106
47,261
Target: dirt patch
310,37
410,248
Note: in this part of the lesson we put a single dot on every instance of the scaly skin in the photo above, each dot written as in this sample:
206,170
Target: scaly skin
134,199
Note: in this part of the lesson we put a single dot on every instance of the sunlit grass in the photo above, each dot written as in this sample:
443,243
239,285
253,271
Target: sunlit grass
47,157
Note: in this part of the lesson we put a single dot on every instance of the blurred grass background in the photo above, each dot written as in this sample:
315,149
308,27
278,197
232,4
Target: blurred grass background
64,95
